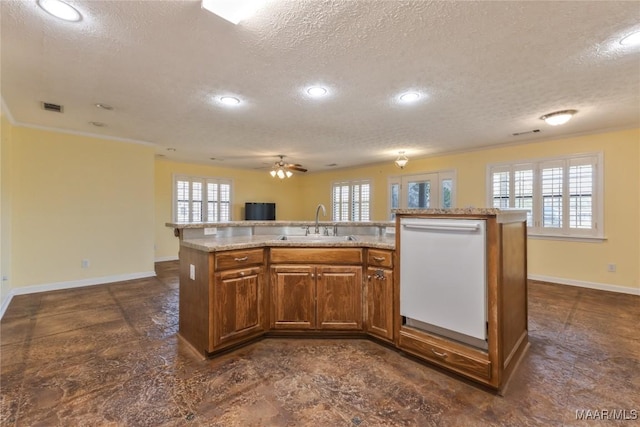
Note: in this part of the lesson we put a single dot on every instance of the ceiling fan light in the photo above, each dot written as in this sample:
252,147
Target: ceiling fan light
233,11
558,117
289,174
273,173
280,173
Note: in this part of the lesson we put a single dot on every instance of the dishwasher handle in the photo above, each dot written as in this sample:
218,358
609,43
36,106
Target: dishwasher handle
445,226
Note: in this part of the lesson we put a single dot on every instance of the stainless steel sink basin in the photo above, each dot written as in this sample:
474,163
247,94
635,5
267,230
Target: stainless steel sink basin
317,238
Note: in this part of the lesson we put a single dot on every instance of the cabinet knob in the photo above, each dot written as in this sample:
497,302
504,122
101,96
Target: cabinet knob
242,273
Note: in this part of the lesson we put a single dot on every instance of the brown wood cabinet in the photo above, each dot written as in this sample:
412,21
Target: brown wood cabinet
379,294
222,298
317,296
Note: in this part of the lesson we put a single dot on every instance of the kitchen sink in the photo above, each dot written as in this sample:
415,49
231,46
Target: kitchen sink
317,238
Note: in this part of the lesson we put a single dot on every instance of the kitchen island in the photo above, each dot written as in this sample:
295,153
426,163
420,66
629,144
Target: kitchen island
259,279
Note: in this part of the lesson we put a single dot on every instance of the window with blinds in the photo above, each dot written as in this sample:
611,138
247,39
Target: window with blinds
351,201
561,195
202,199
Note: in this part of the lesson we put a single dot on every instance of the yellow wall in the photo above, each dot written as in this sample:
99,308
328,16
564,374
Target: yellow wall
248,186
5,206
571,261
77,197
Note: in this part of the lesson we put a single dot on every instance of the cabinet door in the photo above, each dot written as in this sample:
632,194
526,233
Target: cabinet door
379,298
293,297
339,297
238,308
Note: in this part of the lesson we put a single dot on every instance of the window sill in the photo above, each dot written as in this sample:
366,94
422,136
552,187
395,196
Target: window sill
585,239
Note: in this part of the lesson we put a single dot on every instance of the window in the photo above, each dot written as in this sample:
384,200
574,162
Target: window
427,190
351,201
562,195
201,199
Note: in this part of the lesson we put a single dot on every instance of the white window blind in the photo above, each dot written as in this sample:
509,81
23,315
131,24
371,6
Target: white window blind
198,199
351,200
560,194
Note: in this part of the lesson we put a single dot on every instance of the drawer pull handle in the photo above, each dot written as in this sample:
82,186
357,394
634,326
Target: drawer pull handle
244,258
378,258
442,355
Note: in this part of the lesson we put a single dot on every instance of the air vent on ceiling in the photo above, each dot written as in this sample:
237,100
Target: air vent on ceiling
49,106
526,132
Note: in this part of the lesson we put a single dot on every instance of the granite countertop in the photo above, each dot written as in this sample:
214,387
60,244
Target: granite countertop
279,224
215,244
459,211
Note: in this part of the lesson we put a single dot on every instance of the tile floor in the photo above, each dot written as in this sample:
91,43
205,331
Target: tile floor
108,356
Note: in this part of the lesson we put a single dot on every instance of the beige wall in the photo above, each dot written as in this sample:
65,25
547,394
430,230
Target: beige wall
5,206
248,186
579,262
76,197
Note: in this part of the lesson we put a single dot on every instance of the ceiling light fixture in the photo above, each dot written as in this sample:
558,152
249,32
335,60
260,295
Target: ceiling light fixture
409,97
233,11
279,170
60,10
558,117
632,39
229,100
316,91
402,160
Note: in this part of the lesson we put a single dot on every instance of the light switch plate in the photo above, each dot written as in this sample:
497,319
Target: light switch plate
192,272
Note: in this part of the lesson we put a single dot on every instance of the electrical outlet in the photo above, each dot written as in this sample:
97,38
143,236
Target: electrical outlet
84,263
611,268
210,231
192,272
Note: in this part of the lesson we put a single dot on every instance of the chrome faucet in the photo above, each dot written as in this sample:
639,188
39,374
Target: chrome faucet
324,213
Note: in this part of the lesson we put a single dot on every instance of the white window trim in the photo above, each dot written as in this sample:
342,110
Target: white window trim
204,180
596,234
443,174
350,183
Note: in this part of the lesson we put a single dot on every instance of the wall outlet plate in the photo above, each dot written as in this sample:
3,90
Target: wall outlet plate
210,231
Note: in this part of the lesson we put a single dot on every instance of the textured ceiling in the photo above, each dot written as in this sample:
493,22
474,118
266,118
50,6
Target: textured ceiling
487,70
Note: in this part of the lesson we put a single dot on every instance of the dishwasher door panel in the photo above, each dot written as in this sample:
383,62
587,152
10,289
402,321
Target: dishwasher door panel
443,276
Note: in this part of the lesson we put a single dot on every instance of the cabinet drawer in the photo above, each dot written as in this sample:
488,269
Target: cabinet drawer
316,256
239,259
378,258
468,362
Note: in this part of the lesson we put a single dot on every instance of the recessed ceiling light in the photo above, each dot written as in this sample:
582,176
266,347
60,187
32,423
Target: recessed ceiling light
317,91
104,106
60,9
229,100
632,39
409,97
98,124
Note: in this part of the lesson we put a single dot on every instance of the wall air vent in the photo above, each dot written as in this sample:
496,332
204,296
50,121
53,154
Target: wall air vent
49,106
525,132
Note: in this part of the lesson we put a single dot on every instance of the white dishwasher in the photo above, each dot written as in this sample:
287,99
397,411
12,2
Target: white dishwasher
443,283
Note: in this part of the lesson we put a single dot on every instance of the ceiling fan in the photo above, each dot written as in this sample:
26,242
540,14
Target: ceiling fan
284,170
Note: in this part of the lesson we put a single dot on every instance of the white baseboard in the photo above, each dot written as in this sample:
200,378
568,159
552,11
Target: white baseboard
45,287
584,284
166,258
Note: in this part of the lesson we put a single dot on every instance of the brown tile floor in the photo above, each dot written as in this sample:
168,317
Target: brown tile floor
108,355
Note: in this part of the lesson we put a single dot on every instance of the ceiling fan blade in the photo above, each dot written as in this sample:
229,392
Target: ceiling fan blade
296,168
